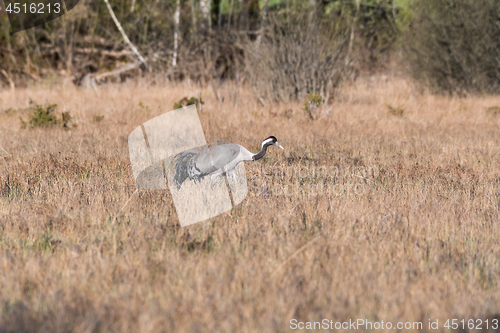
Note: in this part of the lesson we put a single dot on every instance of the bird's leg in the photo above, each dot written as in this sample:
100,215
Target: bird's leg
232,174
214,176
212,182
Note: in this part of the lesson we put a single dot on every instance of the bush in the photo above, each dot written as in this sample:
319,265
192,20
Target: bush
186,102
299,54
312,103
45,116
397,111
453,45
377,33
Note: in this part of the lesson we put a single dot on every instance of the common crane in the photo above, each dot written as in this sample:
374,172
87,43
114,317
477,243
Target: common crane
215,161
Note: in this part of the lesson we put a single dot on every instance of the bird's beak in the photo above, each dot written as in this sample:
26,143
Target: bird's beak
278,144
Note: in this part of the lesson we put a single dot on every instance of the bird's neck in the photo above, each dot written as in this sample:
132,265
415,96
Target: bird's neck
261,153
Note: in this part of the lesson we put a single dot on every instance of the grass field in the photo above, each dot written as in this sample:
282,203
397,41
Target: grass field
386,207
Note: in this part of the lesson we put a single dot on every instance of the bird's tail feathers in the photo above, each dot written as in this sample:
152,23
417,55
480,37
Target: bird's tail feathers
181,162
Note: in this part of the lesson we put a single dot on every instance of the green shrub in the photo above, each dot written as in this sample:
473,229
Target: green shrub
45,116
97,119
312,103
396,111
185,102
377,32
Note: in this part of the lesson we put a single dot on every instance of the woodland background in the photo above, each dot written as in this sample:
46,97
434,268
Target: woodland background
298,47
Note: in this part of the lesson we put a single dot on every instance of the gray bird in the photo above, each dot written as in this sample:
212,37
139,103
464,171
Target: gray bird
215,161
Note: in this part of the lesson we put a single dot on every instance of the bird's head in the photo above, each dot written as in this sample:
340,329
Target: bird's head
271,141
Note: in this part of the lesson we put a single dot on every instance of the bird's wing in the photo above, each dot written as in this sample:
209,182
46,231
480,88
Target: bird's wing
217,143
215,158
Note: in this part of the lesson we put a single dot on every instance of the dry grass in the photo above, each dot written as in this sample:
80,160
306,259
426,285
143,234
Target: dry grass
420,242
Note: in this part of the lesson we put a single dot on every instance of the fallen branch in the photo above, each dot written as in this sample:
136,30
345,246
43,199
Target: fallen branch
117,71
90,80
88,50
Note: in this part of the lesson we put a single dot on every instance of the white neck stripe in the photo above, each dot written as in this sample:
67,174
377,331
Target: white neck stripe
266,141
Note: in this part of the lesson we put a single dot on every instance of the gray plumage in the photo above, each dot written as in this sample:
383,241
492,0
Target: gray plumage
181,161
214,161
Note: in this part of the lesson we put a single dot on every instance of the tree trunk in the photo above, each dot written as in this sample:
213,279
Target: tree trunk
216,12
312,16
176,31
230,15
9,47
193,20
351,40
263,21
250,14
205,10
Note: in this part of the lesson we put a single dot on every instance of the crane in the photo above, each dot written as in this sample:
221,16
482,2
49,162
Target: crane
215,161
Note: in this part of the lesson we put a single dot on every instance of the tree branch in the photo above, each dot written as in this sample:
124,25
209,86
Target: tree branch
119,26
